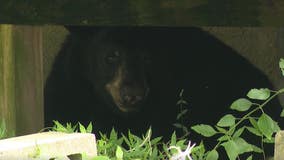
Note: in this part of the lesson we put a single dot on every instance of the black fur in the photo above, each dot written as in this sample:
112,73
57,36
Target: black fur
212,74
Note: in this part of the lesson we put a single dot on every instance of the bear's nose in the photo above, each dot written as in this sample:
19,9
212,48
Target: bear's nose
132,99
132,96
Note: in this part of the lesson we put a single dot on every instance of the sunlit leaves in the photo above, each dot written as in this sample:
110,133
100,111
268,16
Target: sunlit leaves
238,132
212,155
236,147
241,105
266,125
231,149
204,130
3,129
259,94
119,153
226,121
281,65
282,113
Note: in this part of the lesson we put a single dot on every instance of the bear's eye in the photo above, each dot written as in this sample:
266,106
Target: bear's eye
113,57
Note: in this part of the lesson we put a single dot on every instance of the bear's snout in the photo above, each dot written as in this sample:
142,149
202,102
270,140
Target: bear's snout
133,96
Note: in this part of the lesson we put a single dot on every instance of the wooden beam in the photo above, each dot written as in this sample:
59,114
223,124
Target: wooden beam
145,12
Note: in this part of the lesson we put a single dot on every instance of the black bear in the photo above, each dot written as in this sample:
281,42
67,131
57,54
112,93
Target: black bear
130,77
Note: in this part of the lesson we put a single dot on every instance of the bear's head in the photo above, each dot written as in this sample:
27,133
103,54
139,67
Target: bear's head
117,70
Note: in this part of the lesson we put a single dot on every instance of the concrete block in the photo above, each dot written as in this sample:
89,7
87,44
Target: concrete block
48,145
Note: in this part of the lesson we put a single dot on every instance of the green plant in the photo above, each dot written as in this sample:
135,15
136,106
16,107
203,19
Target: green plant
69,128
130,147
3,132
229,130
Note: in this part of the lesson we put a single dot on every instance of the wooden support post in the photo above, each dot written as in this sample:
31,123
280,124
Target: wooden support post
29,78
21,79
7,80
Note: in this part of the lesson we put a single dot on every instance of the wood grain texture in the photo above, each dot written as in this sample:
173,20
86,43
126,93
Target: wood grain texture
7,80
29,78
21,79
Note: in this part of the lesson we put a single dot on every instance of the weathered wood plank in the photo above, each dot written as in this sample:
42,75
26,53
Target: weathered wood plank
21,79
145,12
29,78
7,80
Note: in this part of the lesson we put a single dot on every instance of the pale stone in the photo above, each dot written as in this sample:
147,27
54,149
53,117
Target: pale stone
47,145
279,146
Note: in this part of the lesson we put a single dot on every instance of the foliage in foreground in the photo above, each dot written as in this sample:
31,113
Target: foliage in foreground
127,147
3,131
229,130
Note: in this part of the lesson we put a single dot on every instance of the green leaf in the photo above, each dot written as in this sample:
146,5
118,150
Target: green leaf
178,125
156,140
231,130
182,102
181,93
212,155
90,128
276,126
70,129
266,125
126,140
119,153
226,121
173,139
204,130
3,129
59,127
282,113
253,122
259,94
238,132
256,149
236,147
101,158
254,131
281,65
231,149
241,105
181,143
181,114
243,146
165,148
222,130
82,128
154,154
223,138
113,135
272,140
250,157
198,151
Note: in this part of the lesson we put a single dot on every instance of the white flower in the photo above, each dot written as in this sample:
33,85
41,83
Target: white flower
182,155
